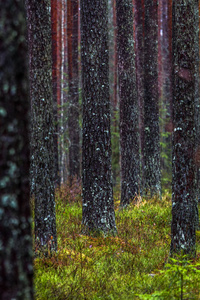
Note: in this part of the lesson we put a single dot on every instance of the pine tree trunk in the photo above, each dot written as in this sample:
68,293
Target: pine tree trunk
73,95
185,72
98,207
56,77
65,85
16,270
42,128
152,175
139,49
129,132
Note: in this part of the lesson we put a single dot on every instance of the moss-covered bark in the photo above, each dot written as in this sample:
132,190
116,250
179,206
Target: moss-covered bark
16,270
129,129
42,127
98,209
185,72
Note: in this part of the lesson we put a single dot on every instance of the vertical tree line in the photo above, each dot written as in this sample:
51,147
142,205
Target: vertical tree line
139,119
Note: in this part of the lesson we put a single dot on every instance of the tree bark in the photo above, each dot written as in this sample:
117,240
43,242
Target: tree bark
139,49
16,270
98,207
129,131
42,129
73,95
152,174
185,72
56,21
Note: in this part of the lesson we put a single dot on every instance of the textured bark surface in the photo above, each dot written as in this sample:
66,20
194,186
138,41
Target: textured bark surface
16,269
129,129
185,70
42,127
98,208
73,95
139,49
56,32
152,176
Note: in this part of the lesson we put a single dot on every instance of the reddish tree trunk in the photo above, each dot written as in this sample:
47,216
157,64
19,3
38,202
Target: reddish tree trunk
56,17
73,97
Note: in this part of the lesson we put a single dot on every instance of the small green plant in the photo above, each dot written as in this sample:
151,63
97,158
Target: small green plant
179,274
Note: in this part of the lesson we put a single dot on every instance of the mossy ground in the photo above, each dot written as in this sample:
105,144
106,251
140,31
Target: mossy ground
133,265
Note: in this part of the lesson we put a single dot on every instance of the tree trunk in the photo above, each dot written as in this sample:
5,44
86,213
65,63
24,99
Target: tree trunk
73,95
139,49
165,63
42,129
98,207
129,131
64,169
152,175
185,72
16,270
56,13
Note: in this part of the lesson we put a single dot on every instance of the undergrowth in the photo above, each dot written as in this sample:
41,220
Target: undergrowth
133,265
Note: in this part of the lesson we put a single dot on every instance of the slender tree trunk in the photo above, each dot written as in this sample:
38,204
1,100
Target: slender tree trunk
139,49
16,270
114,91
56,77
98,206
73,95
152,175
165,63
185,71
42,129
129,133
65,86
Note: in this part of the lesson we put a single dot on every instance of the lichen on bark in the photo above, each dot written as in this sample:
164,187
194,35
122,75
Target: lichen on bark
185,71
42,123
16,270
98,206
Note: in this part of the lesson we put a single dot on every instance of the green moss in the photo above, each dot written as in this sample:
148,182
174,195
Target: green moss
132,265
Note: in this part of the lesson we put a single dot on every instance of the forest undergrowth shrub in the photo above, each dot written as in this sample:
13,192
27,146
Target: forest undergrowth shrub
132,265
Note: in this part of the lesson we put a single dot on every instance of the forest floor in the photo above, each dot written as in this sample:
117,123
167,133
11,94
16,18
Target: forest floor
133,265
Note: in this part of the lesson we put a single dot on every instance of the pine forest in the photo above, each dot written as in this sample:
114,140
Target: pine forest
99,149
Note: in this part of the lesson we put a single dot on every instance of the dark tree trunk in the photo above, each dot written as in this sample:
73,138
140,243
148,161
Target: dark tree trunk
42,129
185,71
16,270
152,175
129,131
139,49
73,95
98,208
56,11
